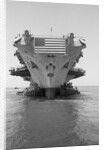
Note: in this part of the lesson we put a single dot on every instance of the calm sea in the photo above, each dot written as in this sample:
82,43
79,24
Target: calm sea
36,123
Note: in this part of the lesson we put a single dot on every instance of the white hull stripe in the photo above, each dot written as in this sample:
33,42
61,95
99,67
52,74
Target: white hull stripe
54,44
51,52
49,47
60,40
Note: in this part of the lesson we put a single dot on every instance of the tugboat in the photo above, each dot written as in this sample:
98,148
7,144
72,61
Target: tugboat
68,89
48,62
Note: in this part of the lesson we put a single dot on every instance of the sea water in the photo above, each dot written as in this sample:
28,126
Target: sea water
37,123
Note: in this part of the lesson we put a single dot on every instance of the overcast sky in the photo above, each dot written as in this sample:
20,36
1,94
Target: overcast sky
83,20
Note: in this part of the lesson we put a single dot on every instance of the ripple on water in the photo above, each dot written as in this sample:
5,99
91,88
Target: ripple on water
32,123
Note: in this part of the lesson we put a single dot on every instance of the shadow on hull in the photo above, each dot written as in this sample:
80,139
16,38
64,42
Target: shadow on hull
50,93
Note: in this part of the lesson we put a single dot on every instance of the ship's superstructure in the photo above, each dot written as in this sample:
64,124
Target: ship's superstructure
49,61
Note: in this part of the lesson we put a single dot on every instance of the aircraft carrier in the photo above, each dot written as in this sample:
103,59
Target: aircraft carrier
48,63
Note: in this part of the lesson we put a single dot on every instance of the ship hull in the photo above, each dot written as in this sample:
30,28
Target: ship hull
50,72
49,59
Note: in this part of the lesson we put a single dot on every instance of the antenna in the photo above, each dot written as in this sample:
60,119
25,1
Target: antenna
51,31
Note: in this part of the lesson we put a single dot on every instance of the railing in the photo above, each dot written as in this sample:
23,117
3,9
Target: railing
17,68
78,70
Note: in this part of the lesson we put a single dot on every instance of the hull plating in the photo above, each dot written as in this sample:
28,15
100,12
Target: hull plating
49,68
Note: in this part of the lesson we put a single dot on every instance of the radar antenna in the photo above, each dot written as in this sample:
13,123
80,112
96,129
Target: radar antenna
51,30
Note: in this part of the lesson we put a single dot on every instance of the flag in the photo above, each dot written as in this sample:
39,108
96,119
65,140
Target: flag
49,45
